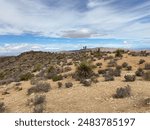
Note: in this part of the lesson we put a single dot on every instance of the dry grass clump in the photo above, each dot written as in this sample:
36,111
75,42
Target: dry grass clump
39,87
123,92
130,78
2,107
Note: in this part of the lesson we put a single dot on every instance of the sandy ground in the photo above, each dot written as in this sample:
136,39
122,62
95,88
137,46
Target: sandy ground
96,98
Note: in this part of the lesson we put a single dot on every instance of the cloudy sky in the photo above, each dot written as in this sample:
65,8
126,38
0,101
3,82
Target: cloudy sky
52,25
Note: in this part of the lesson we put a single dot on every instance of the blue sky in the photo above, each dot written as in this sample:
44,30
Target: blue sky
53,25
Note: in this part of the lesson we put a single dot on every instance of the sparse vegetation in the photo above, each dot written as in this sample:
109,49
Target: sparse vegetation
90,67
123,92
130,78
39,87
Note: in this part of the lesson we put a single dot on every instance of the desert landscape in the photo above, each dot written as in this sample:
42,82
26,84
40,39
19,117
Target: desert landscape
89,80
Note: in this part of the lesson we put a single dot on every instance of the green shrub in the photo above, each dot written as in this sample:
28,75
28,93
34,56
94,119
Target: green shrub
84,71
57,78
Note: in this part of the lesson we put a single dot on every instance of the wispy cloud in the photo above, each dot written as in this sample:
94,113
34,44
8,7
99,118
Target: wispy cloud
51,18
120,19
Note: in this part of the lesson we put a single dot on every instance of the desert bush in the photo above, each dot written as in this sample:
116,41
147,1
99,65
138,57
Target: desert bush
146,76
37,103
119,52
139,72
141,61
130,78
124,64
68,85
57,78
2,107
39,87
117,72
83,71
147,66
129,67
26,76
60,84
39,99
108,77
123,92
